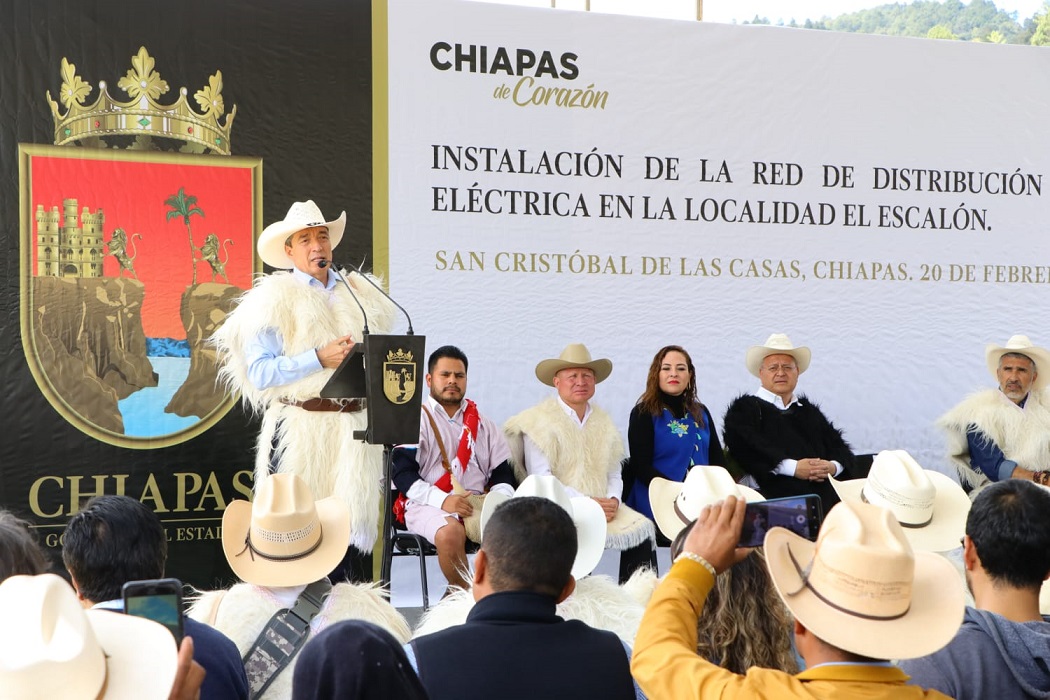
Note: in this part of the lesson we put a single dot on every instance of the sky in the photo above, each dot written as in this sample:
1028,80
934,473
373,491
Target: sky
729,11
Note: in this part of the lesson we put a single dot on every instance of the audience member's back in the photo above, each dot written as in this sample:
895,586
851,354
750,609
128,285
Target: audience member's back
116,539
513,644
1002,649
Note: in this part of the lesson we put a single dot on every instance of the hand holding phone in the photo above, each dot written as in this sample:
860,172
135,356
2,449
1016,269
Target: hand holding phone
800,514
159,600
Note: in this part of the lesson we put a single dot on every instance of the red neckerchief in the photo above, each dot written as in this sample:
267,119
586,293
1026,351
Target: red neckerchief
465,450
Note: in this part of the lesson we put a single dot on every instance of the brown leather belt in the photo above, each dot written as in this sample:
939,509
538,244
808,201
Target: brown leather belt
332,405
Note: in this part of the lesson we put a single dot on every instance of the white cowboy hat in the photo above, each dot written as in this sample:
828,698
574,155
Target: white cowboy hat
931,507
575,355
587,515
284,537
675,504
1021,345
55,649
776,344
301,215
862,588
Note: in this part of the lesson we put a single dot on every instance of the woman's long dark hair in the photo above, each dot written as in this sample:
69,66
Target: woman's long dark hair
651,402
744,623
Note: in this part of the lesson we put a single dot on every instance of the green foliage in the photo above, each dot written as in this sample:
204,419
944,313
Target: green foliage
978,20
1041,31
939,31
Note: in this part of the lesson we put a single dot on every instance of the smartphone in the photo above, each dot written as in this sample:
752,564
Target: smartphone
800,514
159,600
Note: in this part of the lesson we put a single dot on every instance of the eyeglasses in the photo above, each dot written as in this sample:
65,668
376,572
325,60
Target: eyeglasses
773,369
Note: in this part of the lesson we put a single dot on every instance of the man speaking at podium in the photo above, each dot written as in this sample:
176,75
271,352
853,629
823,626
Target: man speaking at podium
280,346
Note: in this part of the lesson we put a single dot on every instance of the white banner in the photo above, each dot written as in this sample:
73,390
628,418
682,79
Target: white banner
558,177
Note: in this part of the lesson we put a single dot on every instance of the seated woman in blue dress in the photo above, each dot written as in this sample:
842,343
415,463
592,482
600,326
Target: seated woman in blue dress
669,430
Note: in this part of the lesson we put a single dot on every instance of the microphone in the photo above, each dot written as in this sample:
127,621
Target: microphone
323,263
368,279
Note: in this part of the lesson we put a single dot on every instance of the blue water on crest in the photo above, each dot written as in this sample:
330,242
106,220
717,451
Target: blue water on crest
143,411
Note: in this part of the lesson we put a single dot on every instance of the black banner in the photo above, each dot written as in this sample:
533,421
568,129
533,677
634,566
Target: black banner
299,74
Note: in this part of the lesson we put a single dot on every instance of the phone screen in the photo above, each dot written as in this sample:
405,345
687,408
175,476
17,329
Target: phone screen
160,602
800,514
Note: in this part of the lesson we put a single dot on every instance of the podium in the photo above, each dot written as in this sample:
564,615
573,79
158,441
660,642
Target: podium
386,371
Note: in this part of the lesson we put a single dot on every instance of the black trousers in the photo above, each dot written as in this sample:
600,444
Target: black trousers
356,567
635,558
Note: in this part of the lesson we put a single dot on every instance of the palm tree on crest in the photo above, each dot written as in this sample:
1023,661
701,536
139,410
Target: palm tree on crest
185,206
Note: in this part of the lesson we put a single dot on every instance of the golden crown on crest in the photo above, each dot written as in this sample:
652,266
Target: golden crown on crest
399,355
143,117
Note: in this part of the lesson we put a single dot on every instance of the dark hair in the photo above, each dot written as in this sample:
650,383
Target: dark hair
355,660
19,551
450,351
530,544
113,540
651,401
1009,524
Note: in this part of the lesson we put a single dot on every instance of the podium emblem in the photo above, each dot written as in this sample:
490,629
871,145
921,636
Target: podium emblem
399,376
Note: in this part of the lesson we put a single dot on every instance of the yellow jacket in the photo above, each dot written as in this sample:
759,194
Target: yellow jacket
666,665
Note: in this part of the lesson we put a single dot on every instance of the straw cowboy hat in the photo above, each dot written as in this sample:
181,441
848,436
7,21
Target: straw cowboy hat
777,344
930,506
55,649
587,516
301,215
575,355
862,588
284,537
1022,345
675,504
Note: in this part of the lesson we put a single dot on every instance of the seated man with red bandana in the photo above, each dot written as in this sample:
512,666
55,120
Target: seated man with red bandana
460,455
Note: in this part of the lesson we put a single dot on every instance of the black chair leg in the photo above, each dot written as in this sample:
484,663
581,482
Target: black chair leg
423,579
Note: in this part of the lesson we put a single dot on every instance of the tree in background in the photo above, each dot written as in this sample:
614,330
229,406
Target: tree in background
939,31
978,20
1041,35
185,206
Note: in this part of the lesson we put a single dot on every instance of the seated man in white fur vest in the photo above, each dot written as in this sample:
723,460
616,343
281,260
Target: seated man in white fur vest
280,346
281,546
1004,433
460,454
580,445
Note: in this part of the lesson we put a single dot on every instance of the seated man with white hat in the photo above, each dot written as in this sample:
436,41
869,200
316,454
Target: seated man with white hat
282,545
782,439
1004,433
860,595
513,643
578,443
280,346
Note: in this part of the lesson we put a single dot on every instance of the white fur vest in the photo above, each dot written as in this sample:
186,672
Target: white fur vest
1023,434
306,317
580,458
318,446
242,611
